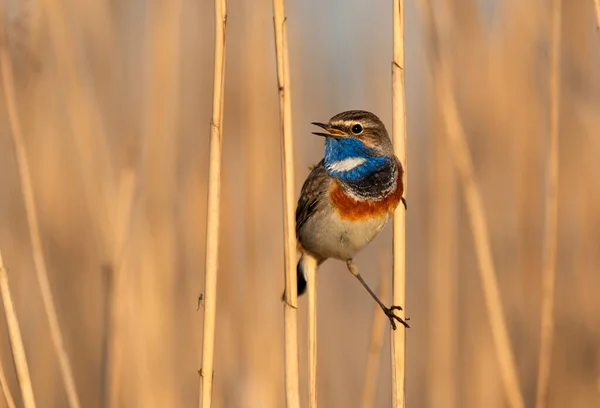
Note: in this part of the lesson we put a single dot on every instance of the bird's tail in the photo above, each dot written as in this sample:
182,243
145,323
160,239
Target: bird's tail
300,276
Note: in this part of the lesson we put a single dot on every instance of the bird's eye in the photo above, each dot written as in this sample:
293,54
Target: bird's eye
357,128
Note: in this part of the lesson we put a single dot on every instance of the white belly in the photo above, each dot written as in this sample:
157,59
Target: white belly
329,236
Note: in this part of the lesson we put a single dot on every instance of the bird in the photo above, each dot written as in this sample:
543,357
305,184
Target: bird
348,197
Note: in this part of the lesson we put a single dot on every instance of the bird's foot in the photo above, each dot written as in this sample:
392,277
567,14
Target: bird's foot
389,312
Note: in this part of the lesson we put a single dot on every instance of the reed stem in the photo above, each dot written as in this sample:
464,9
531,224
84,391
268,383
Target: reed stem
466,172
398,337
376,342
551,213
292,393
33,224
16,344
597,6
311,268
10,402
213,210
443,252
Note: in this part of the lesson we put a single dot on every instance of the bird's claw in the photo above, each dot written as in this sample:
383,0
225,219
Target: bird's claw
389,312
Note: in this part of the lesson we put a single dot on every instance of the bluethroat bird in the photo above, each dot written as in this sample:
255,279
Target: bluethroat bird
349,196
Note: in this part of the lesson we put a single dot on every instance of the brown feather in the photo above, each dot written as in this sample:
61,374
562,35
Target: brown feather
350,208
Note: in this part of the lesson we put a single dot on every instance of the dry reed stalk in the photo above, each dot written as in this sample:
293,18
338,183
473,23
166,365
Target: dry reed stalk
85,122
22,369
292,394
125,204
16,343
311,271
375,342
464,165
443,281
443,251
257,120
33,224
551,213
597,4
213,209
398,337
155,289
10,402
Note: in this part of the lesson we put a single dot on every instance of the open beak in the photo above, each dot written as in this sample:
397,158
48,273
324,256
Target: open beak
332,132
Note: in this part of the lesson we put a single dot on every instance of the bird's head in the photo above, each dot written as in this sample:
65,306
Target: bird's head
359,125
353,138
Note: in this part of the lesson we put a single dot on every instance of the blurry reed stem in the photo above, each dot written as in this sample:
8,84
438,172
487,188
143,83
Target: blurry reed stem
18,350
464,165
292,394
16,344
33,224
213,209
125,204
441,377
398,337
10,402
83,113
551,213
375,344
311,271
597,4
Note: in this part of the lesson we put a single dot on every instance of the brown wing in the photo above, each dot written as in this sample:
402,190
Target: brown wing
313,195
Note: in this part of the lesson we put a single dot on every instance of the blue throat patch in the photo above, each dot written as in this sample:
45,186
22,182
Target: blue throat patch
338,149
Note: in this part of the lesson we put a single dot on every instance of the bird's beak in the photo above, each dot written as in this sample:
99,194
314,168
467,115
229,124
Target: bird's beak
332,131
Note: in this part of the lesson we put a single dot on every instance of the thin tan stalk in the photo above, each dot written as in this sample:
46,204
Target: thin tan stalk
14,332
551,213
85,122
597,4
464,165
375,343
10,402
292,394
399,240
311,271
443,251
34,230
16,344
125,204
213,209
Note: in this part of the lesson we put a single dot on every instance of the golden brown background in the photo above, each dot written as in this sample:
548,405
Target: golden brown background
114,94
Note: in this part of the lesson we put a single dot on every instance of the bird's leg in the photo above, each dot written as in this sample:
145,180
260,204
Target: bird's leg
389,311
404,202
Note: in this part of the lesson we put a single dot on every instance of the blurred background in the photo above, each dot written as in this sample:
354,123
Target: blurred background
115,101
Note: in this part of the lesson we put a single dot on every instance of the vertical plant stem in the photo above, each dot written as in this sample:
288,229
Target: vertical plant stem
213,211
551,213
311,269
84,117
11,317
443,250
115,320
10,402
597,4
292,394
375,343
16,344
33,224
466,172
398,337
